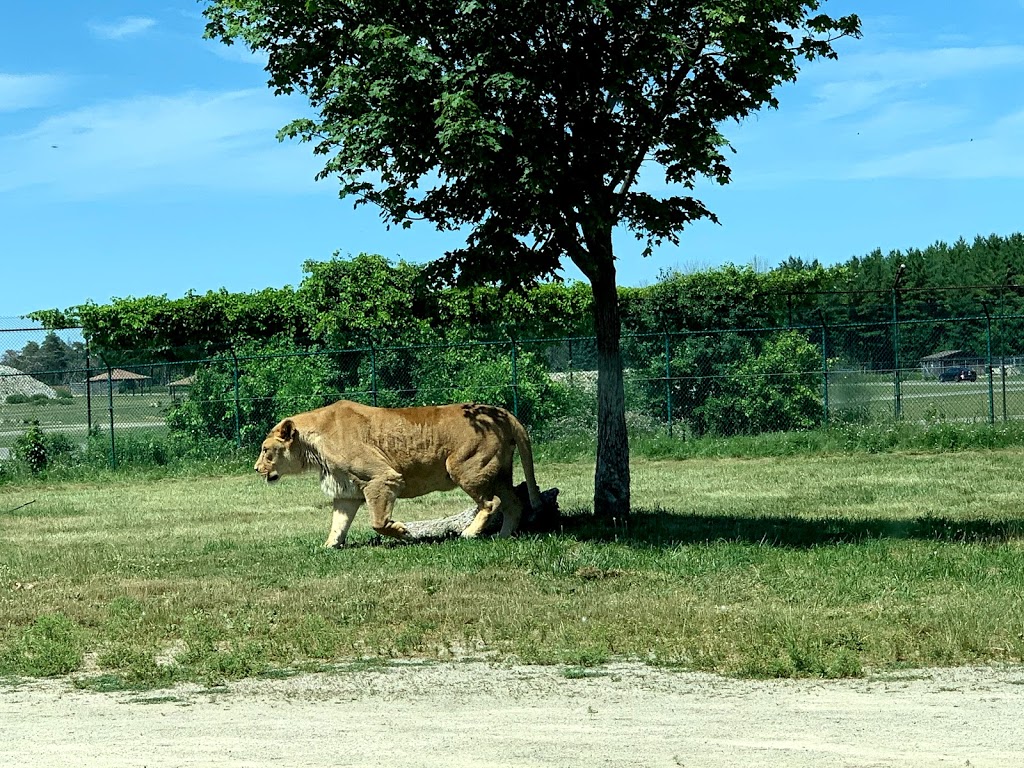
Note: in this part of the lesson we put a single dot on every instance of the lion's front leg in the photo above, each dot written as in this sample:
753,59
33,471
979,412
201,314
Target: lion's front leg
344,513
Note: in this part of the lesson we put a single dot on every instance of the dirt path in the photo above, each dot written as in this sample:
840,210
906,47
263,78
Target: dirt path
473,714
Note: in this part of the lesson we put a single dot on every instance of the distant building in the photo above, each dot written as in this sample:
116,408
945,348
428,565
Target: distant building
185,383
125,381
933,365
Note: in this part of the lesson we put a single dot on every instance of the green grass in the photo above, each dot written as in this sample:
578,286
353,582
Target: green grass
788,566
71,416
839,440
872,396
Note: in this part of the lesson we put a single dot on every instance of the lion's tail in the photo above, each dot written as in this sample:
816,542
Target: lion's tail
526,457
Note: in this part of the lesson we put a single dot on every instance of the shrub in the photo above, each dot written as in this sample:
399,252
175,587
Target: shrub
483,373
699,367
17,399
30,449
269,388
776,390
39,451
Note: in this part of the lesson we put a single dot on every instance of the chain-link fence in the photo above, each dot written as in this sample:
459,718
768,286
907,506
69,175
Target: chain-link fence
717,382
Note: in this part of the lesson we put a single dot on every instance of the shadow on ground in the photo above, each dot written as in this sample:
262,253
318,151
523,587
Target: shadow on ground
661,527
667,528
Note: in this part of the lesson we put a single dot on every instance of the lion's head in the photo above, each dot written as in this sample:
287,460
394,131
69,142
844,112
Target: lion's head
280,453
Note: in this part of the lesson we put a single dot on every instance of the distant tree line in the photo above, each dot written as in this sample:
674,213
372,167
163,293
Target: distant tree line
47,361
347,303
416,337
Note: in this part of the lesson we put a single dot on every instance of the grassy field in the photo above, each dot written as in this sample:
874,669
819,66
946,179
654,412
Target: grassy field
874,396
760,567
70,416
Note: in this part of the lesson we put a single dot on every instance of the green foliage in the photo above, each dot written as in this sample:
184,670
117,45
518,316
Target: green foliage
732,383
484,373
330,310
460,114
270,387
48,360
770,390
335,305
52,645
367,299
192,326
19,399
30,449
728,298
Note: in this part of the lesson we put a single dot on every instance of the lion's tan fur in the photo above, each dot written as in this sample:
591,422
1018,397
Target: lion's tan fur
378,455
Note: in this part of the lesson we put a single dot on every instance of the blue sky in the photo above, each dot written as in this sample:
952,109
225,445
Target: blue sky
137,158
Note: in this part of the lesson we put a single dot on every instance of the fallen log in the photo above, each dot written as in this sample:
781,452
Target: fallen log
540,520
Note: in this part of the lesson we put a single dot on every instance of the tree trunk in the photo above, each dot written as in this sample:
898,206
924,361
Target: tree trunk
611,480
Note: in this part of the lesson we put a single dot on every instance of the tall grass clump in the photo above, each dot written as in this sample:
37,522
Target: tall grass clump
52,456
51,645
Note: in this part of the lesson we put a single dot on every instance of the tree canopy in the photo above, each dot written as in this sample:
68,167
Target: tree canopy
528,123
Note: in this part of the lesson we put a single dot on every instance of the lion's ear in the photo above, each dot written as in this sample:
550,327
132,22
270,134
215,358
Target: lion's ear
286,430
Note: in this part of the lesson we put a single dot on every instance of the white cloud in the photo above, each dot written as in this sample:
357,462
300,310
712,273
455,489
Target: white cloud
223,141
860,82
27,91
129,26
997,152
924,114
936,63
238,52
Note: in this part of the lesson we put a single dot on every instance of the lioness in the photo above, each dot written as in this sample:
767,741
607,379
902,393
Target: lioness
379,455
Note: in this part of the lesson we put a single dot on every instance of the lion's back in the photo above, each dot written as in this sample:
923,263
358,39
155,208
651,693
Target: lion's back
426,444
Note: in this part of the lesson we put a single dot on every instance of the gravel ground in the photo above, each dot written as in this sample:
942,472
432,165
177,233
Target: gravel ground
478,714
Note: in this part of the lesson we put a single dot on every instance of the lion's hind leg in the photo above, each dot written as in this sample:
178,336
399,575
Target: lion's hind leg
381,494
486,510
511,512
480,475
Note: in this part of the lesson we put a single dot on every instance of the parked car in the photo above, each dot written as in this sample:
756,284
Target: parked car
959,374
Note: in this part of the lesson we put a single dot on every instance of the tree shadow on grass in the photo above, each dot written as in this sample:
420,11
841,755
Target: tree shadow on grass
663,528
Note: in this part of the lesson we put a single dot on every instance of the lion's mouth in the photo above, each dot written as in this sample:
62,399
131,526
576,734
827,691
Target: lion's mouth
272,477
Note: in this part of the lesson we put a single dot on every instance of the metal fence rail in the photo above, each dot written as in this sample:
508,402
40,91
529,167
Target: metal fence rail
722,382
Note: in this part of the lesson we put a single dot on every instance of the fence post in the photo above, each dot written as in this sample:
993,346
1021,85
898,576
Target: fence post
897,405
238,406
373,374
88,390
110,409
824,368
668,382
988,361
515,380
